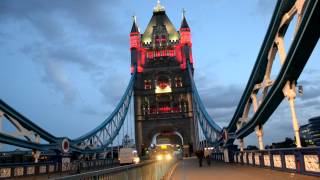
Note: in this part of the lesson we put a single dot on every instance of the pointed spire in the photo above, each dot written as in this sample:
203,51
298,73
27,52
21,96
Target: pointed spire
183,12
134,25
158,7
184,23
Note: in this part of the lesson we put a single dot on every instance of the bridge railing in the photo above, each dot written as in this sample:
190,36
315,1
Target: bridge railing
52,169
151,170
296,160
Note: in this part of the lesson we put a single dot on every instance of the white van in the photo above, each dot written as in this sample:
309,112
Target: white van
128,156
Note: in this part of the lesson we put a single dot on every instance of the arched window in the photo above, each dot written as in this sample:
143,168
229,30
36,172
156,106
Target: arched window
178,81
163,85
147,84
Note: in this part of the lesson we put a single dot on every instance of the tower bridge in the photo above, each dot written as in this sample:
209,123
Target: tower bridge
163,99
168,108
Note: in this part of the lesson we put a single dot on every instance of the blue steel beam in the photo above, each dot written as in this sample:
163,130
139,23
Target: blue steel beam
259,68
297,57
26,123
7,139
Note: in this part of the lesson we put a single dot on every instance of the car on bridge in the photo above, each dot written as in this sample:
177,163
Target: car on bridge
128,156
166,152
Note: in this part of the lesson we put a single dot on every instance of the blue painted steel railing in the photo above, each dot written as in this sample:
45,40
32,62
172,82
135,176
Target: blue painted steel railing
210,129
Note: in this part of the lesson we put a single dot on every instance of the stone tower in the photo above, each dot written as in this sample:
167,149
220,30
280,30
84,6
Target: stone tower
162,92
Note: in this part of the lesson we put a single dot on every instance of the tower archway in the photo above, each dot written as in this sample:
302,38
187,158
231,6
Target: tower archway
174,138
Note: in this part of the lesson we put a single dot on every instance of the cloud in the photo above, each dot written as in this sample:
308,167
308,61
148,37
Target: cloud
53,18
310,86
221,96
58,80
264,7
90,111
74,56
312,103
82,34
113,88
220,101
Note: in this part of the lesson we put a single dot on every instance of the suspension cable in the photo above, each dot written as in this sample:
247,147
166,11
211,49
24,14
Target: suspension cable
131,119
129,114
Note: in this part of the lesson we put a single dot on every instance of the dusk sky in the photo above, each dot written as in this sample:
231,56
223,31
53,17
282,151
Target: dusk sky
65,64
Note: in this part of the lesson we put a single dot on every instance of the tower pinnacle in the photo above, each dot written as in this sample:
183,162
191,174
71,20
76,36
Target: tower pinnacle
134,25
184,23
183,12
158,7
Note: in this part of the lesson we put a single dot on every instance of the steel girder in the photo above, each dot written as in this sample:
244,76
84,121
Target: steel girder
260,65
305,38
27,134
10,113
7,139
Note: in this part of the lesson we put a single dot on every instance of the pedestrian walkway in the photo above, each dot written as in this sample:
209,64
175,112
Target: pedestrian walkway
188,169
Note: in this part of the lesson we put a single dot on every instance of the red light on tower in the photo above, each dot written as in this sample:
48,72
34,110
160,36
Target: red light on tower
134,40
185,44
163,85
185,36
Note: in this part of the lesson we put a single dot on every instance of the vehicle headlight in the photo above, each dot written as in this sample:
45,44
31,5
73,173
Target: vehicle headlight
159,157
136,160
168,157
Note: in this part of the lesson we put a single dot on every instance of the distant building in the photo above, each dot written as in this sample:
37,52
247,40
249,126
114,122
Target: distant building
287,143
305,135
310,133
252,147
314,126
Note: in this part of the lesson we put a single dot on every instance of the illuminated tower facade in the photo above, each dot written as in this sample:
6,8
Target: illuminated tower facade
162,90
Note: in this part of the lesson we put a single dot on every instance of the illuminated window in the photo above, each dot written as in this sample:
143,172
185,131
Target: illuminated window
178,81
145,106
147,84
134,40
164,107
163,39
150,54
183,103
157,39
163,85
158,54
176,107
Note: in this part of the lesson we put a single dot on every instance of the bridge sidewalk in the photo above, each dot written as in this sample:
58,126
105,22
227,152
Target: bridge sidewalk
188,169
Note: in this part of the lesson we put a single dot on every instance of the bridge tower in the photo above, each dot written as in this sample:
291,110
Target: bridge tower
162,90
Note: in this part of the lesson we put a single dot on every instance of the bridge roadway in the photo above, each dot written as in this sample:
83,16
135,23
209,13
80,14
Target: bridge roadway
188,169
